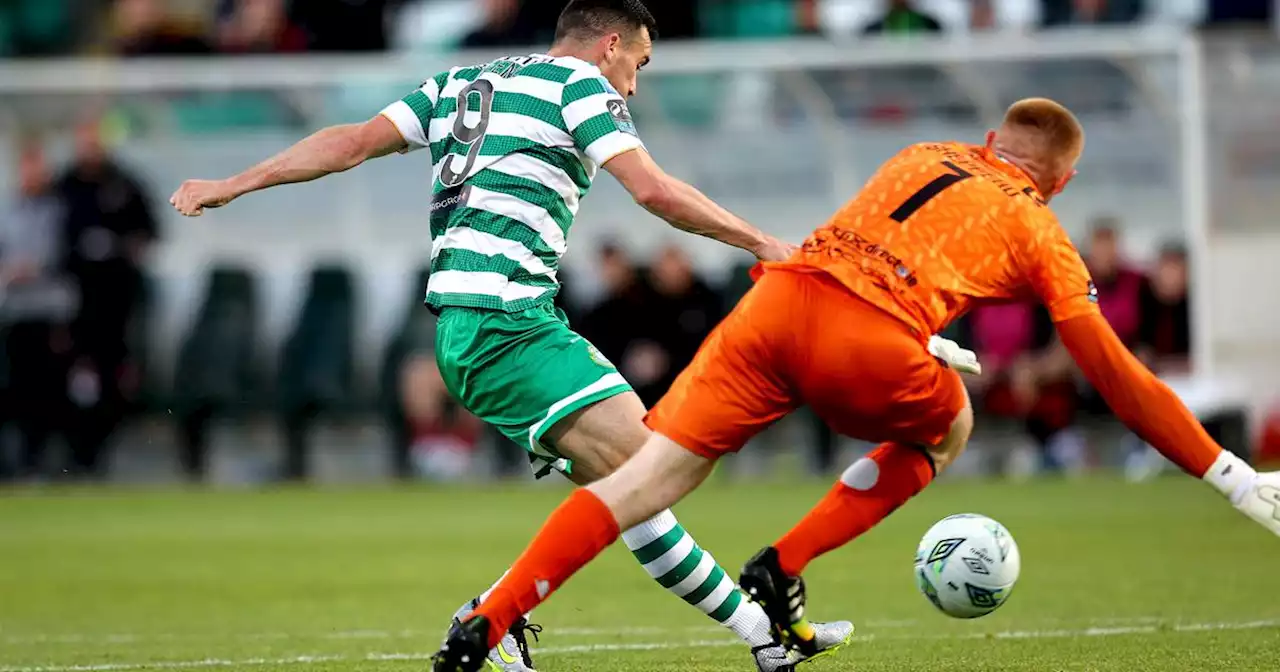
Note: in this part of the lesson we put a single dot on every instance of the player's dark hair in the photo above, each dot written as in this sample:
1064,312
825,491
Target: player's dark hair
589,19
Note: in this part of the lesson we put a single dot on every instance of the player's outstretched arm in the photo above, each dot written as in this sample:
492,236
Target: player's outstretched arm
1152,410
330,150
1144,403
688,209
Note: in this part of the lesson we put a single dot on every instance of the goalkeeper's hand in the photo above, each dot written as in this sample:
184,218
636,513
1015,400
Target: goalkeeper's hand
954,356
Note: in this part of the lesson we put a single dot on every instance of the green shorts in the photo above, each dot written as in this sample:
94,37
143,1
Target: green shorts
522,373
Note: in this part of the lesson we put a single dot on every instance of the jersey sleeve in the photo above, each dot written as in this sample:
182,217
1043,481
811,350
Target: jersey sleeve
412,114
596,115
1053,268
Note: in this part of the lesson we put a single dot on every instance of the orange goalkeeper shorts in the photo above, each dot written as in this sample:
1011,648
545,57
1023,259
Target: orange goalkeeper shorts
800,337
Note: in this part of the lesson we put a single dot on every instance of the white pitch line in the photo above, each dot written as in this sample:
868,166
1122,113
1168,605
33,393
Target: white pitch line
640,646
138,638
372,657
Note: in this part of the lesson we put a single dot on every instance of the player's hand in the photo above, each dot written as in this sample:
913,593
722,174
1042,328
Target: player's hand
775,250
954,356
194,196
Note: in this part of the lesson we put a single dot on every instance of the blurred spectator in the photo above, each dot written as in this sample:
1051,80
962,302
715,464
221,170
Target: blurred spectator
683,312
613,323
514,23
901,17
1119,293
144,28
1072,12
1164,333
36,344
107,230
498,24
982,16
1164,345
344,25
651,330
1026,377
443,435
1119,285
258,26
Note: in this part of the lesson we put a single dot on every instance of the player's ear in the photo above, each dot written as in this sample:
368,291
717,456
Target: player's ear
1066,179
612,43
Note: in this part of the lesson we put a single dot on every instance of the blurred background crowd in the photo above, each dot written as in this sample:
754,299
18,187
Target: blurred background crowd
85,384
185,27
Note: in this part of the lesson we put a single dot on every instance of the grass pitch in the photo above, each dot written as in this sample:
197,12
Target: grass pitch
1161,577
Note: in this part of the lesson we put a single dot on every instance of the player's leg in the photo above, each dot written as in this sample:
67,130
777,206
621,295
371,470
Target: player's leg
714,407
868,492
598,439
550,390
661,545
871,378
582,527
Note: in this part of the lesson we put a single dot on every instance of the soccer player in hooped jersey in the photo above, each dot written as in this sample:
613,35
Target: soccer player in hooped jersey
843,325
515,145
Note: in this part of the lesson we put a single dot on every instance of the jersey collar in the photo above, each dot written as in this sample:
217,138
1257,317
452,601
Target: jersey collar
1008,168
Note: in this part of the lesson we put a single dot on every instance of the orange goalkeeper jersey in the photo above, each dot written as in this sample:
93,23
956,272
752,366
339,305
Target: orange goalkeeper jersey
944,225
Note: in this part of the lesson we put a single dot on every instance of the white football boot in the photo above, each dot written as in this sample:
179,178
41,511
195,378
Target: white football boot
829,638
1255,495
512,653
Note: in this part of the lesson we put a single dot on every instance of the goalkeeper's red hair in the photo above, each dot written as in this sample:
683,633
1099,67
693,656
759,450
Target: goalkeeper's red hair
1044,139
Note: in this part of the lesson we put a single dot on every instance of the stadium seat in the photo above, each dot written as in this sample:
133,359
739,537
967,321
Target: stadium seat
415,334
216,369
317,366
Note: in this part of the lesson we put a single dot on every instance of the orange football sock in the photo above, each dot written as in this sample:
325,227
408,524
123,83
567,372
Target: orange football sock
573,535
874,487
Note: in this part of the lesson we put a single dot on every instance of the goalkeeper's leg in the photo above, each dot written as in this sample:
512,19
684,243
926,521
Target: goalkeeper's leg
599,439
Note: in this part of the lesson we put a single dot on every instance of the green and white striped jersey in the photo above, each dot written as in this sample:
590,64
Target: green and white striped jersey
515,145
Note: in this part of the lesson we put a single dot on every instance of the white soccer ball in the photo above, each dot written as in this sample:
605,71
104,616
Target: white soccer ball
966,565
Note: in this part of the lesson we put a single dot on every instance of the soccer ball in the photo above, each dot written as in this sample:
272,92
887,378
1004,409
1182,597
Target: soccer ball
966,565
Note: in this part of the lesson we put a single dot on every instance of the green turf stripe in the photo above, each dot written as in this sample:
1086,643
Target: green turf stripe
726,608
593,129
583,89
500,226
701,592
659,547
682,571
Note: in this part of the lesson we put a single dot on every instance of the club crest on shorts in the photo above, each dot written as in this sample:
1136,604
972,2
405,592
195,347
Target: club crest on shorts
598,357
